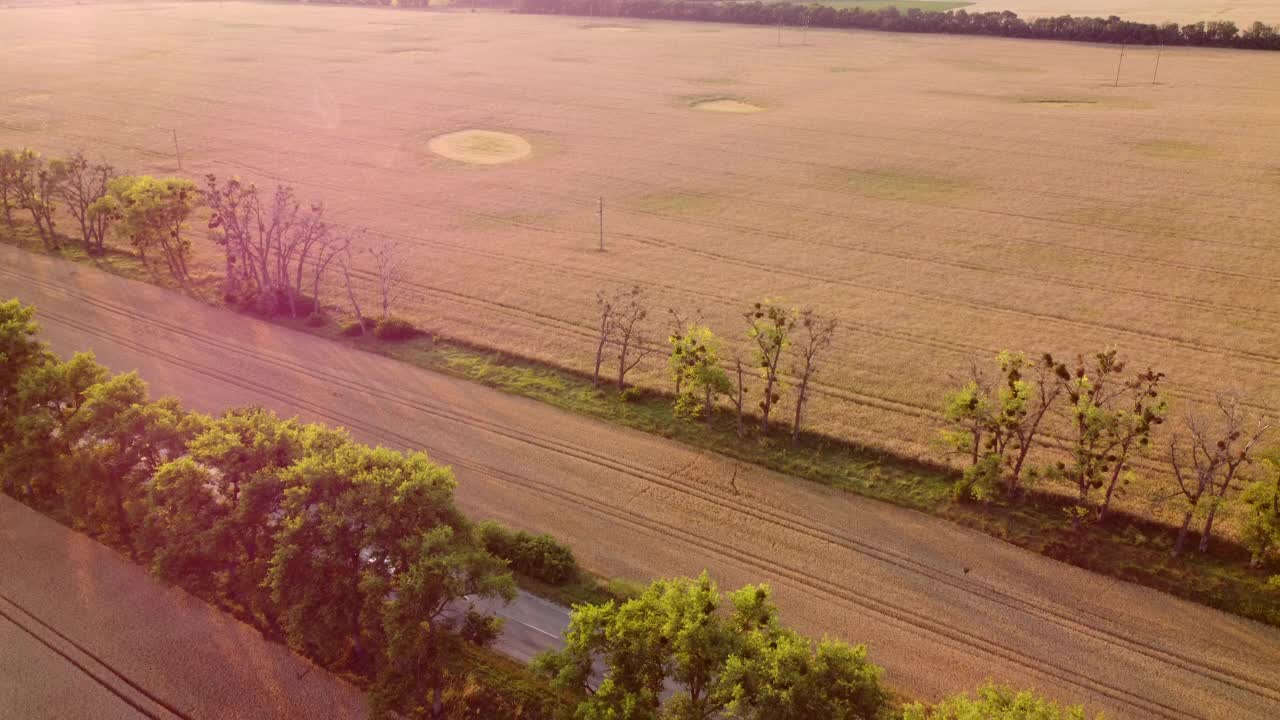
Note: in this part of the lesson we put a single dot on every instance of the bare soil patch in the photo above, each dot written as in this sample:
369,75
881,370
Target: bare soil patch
727,105
480,147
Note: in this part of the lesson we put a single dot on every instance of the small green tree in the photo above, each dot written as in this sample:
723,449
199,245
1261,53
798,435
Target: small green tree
994,702
151,213
10,173
695,359
769,328
1261,533
996,424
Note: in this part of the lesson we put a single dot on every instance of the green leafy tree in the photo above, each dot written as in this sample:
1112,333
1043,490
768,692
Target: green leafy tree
739,663
36,445
430,610
215,512
116,441
1261,532
769,328
695,358
151,214
348,516
994,702
996,423
10,174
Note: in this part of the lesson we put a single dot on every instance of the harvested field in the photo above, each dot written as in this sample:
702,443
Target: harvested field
945,197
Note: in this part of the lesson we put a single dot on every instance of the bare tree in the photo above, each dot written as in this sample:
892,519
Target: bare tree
630,312
388,261
83,184
740,396
261,240
815,335
1208,460
344,263
35,187
330,247
605,306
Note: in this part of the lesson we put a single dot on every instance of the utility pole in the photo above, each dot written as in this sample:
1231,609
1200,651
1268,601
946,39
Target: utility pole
600,212
1118,64
1156,73
779,28
804,34
177,150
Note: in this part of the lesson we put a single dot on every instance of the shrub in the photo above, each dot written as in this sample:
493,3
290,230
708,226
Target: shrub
315,319
631,394
394,329
540,557
351,328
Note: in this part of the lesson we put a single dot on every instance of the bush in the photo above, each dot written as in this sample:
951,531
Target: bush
394,329
631,394
351,328
540,557
315,319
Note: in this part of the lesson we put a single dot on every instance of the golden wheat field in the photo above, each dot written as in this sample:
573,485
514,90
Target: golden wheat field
944,197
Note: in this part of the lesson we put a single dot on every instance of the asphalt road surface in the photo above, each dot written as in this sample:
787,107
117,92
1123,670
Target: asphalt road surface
638,506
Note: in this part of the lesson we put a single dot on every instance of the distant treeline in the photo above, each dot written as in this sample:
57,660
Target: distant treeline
1218,33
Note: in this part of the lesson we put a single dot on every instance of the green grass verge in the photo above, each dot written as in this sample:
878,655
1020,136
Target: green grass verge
1127,547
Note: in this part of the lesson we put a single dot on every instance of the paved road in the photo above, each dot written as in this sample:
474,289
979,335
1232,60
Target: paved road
638,506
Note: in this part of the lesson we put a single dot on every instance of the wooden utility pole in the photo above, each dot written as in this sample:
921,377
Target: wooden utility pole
600,212
1118,64
177,150
779,28
1156,73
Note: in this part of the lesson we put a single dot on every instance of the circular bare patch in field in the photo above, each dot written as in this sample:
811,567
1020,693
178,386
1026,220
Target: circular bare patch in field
480,147
727,105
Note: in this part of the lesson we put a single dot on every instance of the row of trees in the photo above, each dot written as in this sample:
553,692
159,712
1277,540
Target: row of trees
683,651
1099,417
785,348
1218,33
358,558
278,251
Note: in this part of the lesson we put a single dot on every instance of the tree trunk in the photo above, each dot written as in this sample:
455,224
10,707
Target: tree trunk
741,428
766,405
595,379
707,407
800,398
622,366
1208,528
1182,534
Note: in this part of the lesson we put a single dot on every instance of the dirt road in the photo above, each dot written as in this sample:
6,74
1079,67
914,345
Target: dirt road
942,608
87,635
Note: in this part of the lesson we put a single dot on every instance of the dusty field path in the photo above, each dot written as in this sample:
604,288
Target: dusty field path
639,506
86,634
